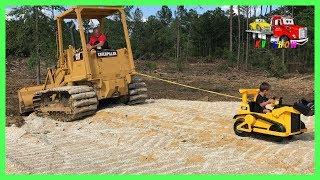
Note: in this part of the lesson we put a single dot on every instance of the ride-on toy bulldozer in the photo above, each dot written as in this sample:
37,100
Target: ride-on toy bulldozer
282,122
82,77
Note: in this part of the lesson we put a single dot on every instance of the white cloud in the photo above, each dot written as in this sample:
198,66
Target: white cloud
226,8
144,19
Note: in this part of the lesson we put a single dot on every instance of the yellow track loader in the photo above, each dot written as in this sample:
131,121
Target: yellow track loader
82,77
281,122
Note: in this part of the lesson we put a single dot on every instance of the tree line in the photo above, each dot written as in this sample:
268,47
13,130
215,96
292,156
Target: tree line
178,35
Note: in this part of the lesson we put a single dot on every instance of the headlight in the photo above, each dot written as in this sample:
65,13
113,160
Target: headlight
305,32
302,33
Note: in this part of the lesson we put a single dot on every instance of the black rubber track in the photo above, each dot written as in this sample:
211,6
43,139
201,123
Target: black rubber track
137,91
80,101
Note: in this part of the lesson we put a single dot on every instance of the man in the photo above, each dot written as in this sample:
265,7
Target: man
97,40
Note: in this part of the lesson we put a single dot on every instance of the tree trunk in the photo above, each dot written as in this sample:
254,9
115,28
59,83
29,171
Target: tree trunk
254,11
270,9
282,56
230,30
266,10
178,40
239,37
52,12
307,58
72,36
38,79
247,37
260,10
187,48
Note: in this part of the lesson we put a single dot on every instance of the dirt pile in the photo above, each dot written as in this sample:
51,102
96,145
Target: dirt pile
208,76
17,76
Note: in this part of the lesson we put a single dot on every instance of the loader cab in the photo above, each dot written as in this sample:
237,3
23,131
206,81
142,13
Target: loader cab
97,64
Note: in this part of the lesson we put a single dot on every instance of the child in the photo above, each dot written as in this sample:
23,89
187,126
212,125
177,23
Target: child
261,99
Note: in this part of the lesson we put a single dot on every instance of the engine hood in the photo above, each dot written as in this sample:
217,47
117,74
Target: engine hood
295,27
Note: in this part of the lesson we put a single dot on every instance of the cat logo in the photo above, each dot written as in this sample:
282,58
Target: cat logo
107,53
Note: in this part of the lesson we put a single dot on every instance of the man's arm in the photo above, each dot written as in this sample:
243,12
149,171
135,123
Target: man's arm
89,47
98,45
102,39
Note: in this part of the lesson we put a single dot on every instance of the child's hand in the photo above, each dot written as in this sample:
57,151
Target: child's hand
266,110
270,101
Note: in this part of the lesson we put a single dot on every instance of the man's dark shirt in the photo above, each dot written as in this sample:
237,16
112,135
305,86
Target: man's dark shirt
260,99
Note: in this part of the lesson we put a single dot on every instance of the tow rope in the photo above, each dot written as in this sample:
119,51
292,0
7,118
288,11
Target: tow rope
190,87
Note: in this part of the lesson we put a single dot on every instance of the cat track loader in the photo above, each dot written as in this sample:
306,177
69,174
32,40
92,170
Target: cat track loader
81,78
283,121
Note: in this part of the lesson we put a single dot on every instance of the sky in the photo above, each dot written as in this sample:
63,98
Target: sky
152,10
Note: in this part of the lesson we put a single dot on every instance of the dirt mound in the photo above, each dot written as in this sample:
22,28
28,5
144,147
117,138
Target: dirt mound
208,76
17,76
163,136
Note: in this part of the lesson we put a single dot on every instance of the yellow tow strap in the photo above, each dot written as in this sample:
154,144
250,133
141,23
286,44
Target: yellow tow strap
191,87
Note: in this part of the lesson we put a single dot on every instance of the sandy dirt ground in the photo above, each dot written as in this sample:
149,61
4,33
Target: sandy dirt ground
162,136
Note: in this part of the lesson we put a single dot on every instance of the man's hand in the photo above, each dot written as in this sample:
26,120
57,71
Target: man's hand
89,47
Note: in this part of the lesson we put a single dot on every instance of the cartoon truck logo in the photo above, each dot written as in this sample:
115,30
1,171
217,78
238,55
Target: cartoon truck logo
285,29
259,24
281,28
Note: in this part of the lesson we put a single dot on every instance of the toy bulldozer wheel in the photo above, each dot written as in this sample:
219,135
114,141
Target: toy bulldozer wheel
277,128
237,131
